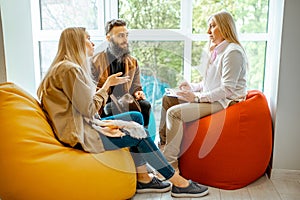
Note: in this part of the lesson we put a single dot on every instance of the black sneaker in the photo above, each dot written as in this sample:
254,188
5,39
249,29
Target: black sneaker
155,185
193,190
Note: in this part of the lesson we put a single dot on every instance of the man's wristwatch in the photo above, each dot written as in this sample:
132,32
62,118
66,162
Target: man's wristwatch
196,99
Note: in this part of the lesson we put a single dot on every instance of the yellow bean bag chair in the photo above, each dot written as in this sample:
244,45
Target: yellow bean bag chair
34,165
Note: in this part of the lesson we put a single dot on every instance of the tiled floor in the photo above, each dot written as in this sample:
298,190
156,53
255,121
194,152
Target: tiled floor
262,189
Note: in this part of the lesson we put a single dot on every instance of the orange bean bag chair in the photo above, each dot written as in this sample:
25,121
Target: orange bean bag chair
231,148
34,165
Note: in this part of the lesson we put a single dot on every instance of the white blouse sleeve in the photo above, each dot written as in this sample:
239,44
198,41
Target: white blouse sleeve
197,87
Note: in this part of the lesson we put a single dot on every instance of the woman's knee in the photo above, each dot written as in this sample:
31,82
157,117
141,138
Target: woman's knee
137,117
174,112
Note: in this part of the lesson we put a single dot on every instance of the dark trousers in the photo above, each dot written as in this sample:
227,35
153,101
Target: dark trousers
145,110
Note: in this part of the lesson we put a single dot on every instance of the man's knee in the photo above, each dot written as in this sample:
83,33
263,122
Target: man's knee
145,105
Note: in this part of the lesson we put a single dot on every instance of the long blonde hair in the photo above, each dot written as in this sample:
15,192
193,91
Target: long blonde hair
72,48
226,24
227,27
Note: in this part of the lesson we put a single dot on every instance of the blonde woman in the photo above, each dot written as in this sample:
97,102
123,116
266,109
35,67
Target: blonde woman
224,84
69,97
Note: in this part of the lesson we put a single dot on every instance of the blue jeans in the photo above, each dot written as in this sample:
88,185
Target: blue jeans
142,150
128,116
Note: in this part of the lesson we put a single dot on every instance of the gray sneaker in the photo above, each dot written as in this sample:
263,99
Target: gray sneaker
193,190
155,185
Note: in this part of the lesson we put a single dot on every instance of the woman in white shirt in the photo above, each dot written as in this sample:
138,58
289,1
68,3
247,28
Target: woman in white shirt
224,84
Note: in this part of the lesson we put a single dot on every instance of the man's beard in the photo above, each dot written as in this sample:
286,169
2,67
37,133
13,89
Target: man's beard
119,52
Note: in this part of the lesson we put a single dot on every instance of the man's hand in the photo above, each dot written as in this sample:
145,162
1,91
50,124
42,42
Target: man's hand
139,95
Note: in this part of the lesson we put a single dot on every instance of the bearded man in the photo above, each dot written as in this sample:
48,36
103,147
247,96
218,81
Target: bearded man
116,58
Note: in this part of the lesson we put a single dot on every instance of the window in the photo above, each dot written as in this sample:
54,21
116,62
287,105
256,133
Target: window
155,14
55,15
166,36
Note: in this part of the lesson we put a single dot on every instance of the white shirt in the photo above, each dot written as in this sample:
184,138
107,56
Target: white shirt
225,77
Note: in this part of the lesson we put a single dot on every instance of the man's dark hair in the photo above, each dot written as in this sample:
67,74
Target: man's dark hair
112,23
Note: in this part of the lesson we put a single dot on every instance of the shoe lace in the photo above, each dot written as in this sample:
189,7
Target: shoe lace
156,180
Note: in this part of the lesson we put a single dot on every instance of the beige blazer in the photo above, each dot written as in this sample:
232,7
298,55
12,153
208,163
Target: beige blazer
68,101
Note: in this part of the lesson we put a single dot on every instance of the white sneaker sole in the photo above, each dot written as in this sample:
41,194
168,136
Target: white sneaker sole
188,195
153,190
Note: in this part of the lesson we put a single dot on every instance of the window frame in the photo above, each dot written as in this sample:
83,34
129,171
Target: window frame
110,10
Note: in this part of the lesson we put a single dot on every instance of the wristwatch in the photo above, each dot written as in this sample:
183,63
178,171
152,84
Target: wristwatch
196,99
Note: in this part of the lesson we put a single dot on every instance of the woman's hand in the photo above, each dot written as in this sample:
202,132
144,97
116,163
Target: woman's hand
112,132
186,95
108,128
115,79
185,86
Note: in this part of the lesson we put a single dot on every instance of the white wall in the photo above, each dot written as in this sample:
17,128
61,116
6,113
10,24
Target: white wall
18,43
18,46
287,123
2,58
